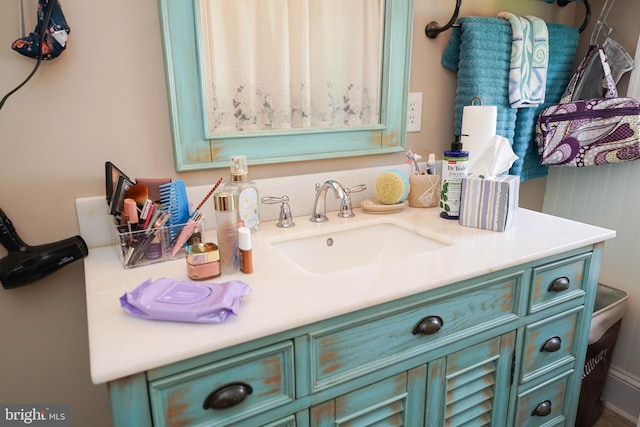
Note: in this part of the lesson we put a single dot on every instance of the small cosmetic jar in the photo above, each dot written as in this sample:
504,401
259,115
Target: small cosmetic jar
203,261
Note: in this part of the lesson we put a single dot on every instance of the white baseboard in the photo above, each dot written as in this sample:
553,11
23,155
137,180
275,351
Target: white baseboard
622,394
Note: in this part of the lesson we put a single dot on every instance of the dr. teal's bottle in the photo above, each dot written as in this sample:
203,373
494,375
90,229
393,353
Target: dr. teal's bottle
245,193
454,168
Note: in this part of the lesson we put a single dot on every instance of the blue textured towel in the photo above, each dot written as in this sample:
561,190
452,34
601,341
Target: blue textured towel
480,52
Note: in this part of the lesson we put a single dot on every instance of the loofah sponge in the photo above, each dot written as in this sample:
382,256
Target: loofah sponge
392,187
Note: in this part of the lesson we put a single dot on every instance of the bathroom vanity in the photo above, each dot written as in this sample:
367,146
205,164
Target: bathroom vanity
480,327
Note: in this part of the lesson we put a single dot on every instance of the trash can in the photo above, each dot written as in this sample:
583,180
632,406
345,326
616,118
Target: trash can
605,325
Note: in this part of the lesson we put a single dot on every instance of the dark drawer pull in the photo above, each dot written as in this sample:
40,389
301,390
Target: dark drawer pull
560,284
428,326
551,345
227,396
543,409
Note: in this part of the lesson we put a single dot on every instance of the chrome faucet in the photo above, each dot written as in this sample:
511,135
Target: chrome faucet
319,207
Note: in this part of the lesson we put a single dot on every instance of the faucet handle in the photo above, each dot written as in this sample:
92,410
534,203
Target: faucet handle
346,210
285,220
356,189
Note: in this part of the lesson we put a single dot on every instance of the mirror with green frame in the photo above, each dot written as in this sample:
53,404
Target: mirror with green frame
285,80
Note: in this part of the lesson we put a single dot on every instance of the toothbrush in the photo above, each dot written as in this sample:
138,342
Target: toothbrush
413,158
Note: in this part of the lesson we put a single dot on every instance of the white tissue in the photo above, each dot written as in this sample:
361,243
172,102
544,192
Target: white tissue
495,158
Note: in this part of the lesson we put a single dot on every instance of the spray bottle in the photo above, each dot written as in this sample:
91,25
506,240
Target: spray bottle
245,193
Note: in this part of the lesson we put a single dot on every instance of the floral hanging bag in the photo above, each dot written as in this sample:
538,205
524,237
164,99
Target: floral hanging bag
584,132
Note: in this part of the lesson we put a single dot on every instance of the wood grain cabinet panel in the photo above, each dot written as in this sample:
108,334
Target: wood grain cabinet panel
353,349
390,402
550,343
226,392
545,404
559,281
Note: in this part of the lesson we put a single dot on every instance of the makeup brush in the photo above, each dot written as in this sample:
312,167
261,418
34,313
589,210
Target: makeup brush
139,193
191,225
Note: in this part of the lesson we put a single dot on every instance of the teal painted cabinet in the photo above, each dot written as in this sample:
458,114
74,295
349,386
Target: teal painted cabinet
504,349
395,401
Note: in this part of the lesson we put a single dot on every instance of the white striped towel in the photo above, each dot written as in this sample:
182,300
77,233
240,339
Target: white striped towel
529,60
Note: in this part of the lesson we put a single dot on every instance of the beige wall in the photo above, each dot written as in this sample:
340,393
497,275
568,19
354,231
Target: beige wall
105,99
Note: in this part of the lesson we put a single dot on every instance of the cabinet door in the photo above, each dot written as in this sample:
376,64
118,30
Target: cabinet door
395,401
471,387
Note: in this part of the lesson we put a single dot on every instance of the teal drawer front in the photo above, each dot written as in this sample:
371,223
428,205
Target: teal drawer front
350,350
236,388
559,281
544,404
550,344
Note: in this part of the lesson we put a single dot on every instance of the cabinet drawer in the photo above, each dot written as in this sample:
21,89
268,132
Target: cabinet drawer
225,392
353,349
559,281
550,344
544,404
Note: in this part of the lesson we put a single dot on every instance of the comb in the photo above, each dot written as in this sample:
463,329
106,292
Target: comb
173,198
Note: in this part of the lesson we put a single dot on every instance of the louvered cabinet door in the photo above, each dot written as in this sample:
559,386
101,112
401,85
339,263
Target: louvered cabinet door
393,402
471,387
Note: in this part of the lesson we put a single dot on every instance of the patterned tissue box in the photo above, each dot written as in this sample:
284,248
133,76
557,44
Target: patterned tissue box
489,203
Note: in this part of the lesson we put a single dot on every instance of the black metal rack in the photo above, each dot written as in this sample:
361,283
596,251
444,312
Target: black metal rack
433,28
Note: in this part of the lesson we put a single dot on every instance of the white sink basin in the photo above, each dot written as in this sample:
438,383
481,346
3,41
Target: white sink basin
355,247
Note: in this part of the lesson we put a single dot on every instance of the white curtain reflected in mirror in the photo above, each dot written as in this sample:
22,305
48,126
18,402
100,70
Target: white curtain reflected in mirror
265,64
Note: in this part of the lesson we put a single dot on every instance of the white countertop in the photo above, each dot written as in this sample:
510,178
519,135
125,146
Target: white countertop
285,296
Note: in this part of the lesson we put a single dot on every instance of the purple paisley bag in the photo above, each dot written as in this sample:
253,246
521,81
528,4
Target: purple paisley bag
593,131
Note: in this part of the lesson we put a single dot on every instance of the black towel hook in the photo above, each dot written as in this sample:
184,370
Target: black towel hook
433,28
587,16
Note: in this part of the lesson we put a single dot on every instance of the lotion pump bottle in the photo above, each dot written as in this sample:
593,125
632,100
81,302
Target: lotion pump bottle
245,193
454,168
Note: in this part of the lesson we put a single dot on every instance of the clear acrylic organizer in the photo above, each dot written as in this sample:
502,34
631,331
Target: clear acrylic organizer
135,249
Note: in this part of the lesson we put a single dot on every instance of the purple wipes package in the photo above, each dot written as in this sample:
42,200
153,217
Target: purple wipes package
185,301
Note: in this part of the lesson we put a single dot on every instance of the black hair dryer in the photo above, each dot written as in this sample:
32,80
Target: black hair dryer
25,264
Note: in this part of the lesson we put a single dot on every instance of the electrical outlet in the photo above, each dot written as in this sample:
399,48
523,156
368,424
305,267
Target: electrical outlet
414,112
